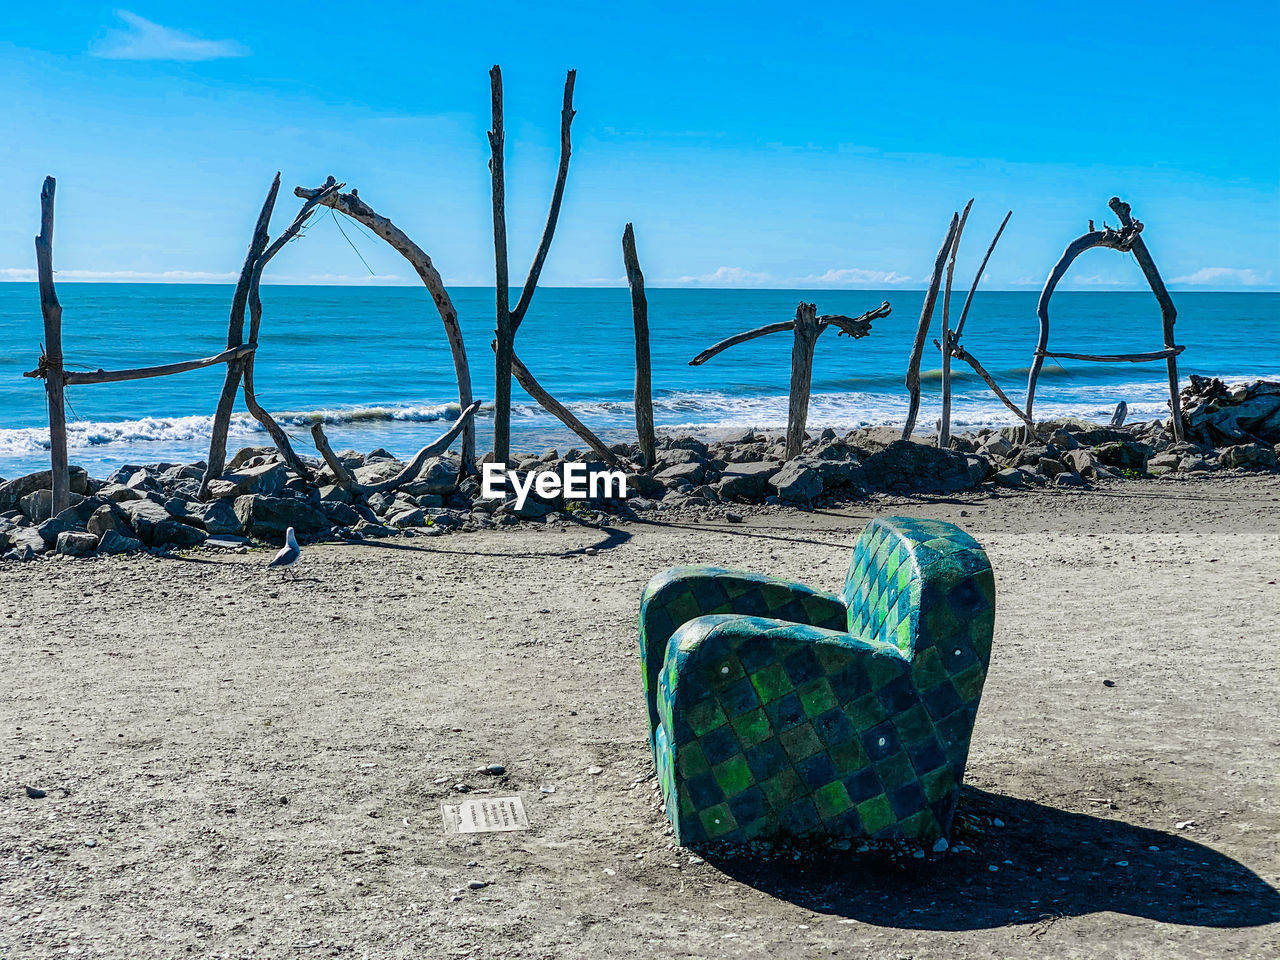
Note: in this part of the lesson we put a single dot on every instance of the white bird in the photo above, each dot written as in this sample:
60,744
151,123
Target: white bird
289,553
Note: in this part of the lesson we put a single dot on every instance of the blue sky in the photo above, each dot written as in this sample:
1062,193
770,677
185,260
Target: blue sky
753,144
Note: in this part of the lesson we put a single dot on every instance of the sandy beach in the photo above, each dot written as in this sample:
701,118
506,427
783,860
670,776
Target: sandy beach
242,766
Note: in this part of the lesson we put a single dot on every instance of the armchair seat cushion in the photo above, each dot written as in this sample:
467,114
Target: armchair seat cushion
777,710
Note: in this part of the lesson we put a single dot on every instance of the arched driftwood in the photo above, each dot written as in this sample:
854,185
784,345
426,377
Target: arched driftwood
354,207
1127,239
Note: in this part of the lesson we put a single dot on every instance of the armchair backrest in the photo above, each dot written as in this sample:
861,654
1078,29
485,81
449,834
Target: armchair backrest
919,585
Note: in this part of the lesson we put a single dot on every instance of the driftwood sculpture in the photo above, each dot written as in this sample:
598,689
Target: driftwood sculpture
807,327
922,329
952,337
644,377
261,252
509,318
1128,239
354,207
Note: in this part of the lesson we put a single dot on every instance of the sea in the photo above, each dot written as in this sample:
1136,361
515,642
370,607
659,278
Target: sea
373,364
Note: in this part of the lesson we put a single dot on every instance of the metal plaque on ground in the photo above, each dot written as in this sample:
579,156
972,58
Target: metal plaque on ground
485,815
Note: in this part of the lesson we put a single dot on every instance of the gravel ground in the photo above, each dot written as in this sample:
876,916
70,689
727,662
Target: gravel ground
242,766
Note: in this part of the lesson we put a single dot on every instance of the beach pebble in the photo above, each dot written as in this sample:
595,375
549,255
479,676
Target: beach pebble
494,769
595,771
477,884
940,845
462,788
733,517
35,793
997,822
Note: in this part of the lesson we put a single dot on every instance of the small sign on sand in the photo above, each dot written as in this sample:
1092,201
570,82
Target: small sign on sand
487,815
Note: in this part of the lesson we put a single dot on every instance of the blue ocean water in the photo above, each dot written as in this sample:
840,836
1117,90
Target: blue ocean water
374,364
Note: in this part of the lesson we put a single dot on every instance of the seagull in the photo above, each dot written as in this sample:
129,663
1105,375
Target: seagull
289,553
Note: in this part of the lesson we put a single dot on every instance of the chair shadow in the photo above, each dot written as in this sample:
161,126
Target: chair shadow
1064,864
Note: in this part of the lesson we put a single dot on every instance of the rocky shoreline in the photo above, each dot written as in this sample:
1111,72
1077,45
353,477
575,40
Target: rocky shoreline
156,507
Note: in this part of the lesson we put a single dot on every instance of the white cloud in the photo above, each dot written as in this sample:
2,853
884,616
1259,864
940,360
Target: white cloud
728,277
1093,280
144,40
1224,277
852,277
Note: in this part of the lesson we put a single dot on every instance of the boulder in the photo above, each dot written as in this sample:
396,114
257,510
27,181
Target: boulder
153,525
1248,456
905,465
797,482
120,493
747,482
106,518
220,517
438,476
411,517
376,471
268,517
643,485
264,479
75,517
1068,480
1124,454
690,472
245,454
12,491
114,541
74,543
1011,477
340,514
186,510
24,539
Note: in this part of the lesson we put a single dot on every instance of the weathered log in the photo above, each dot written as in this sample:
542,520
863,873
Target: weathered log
806,337
432,449
559,410
1117,357
944,425
341,475
1168,314
1112,239
353,206
143,373
235,337
502,308
922,330
51,361
960,353
855,327
644,376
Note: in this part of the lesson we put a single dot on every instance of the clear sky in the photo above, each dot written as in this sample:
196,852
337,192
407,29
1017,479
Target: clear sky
753,144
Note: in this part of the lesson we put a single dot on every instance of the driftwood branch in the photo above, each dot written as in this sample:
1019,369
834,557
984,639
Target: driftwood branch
855,327
51,361
922,330
1118,357
944,426
341,475
353,206
143,373
503,329
977,277
644,376
1168,314
553,214
433,449
960,353
235,337
807,332
559,410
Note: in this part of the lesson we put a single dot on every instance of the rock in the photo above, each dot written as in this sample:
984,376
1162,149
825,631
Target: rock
690,472
220,517
114,541
1011,477
746,482
378,470
12,491
1068,480
75,517
73,543
25,540
246,454
1080,461
268,517
119,493
1248,456
438,476
153,525
332,493
643,485
1124,455
905,465
108,517
997,446
797,482
340,514
412,517
186,510
733,517
264,479
226,541
1094,436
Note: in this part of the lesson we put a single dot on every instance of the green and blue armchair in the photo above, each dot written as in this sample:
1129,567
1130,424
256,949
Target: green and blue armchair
776,710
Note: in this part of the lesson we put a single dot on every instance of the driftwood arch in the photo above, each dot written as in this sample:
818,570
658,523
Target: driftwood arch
1126,239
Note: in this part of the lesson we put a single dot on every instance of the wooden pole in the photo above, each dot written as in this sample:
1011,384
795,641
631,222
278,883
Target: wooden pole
1168,314
354,207
502,307
806,336
51,310
217,458
644,379
944,427
922,330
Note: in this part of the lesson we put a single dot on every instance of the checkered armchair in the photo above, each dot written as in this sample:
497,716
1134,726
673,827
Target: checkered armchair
779,710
